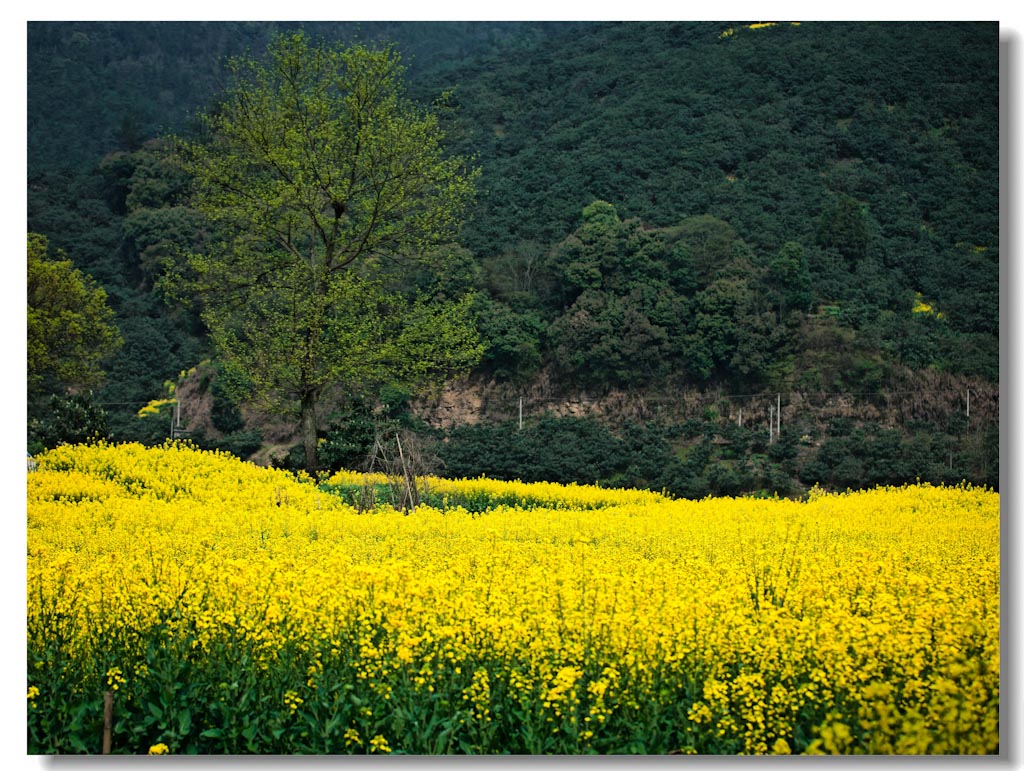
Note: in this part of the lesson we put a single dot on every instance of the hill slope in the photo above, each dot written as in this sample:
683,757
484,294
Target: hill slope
664,207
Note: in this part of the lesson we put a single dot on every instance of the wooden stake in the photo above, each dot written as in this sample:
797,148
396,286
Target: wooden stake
108,719
408,504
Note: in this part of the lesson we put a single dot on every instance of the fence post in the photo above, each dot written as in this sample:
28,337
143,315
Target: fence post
108,719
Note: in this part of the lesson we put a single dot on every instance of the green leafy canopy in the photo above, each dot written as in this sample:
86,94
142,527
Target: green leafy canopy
321,180
71,327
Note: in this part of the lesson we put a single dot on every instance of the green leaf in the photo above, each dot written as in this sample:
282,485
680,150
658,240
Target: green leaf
77,744
184,722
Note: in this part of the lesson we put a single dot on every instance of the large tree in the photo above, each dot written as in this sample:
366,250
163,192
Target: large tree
326,185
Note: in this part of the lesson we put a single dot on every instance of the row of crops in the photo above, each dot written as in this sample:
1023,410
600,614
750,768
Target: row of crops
226,608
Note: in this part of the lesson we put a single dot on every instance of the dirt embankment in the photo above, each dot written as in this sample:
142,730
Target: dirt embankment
927,397
196,401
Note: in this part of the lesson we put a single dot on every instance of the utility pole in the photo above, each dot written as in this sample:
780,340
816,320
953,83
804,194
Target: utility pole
176,430
771,422
778,417
520,413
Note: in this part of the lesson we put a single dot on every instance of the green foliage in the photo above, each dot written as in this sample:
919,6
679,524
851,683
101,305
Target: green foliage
843,227
706,242
224,412
240,443
835,358
71,328
369,179
87,219
712,456
604,339
757,210
789,280
552,450
643,304
868,158
520,276
151,193
865,456
512,339
73,419
98,86
317,168
349,437
227,697
621,309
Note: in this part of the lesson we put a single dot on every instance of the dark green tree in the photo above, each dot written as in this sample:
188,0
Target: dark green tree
789,280
707,242
512,339
843,227
622,310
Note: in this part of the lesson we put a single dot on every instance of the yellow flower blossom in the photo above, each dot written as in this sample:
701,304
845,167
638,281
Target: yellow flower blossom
115,678
153,407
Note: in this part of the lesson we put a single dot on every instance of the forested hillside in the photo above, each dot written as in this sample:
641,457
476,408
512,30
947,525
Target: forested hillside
684,214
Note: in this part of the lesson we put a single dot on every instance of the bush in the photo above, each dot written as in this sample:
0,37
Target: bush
349,437
224,413
65,420
241,443
552,450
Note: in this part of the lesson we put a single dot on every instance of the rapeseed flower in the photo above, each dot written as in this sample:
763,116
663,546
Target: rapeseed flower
379,744
864,621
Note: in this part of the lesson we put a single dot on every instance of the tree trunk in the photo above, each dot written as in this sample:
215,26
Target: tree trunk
308,430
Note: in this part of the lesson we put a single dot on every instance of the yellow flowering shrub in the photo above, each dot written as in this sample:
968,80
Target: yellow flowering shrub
155,405
239,609
922,307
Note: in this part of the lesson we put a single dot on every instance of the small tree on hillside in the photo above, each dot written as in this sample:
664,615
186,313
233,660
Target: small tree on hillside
323,181
70,326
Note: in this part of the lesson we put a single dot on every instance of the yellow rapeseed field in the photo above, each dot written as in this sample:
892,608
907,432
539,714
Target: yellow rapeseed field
231,608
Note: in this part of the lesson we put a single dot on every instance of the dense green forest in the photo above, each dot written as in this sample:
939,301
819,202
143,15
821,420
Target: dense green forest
722,210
